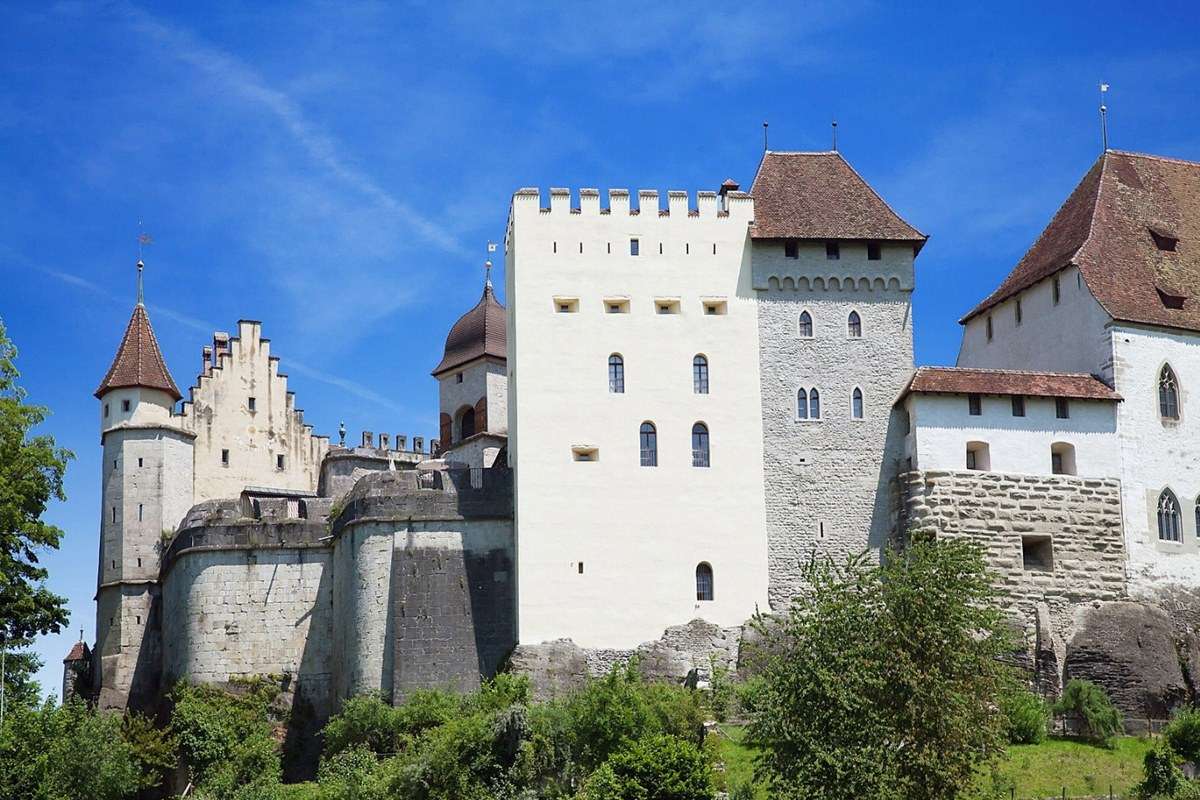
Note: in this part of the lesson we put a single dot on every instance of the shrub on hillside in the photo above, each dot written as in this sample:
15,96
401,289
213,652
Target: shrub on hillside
654,768
1089,704
226,740
1026,716
1163,778
1183,734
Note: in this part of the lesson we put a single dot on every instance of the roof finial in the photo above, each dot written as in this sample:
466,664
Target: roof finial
835,136
487,267
1103,119
143,240
765,126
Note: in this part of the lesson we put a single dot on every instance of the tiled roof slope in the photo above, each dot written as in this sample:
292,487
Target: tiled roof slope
480,332
957,380
139,362
78,653
820,196
1107,229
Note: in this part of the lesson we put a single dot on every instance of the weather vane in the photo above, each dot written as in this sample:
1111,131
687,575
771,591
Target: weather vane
487,265
143,240
1103,118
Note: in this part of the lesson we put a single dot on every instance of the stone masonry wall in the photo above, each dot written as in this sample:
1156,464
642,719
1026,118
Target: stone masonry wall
1080,517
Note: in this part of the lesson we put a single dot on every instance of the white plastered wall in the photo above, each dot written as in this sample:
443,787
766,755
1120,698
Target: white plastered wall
639,532
941,426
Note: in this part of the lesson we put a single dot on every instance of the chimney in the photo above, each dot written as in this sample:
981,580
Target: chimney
368,439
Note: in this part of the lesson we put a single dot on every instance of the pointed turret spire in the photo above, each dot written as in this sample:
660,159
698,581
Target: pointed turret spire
138,361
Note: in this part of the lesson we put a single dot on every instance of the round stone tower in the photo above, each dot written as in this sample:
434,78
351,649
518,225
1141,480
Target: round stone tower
146,475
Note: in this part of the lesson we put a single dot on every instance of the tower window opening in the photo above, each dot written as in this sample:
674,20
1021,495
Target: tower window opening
125,405
1017,311
114,513
458,377
833,251
806,325
139,462
700,452
106,410
252,403
1168,394
856,403
989,328
580,567
225,458
874,251
791,249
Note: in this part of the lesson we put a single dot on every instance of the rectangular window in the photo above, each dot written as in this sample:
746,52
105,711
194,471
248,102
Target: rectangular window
1018,405
1056,291
279,461
832,251
616,305
458,377
974,405
139,462
125,405
1062,408
634,247
566,305
252,403
225,458
584,453
580,567
971,459
791,249
1037,554
874,251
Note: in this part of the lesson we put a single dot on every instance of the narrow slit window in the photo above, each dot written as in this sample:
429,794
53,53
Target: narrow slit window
225,458
1056,291
279,462
989,328
252,403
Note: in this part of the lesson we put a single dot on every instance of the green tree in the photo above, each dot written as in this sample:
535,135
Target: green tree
31,475
884,680
1183,734
1089,703
20,688
1026,716
653,768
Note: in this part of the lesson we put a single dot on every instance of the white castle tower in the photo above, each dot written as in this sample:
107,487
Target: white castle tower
147,489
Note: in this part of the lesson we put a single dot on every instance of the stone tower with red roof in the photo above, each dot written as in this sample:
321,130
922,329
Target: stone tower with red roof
147,488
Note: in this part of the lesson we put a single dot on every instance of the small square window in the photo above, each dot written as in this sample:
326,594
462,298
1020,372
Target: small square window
974,405
791,249
566,305
634,247
225,458
252,404
125,405
1018,405
585,453
716,307
458,377
616,305
1037,554
666,305
1062,408
874,251
833,251
279,462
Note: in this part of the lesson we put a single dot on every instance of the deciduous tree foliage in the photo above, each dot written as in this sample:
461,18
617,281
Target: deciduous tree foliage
31,475
883,681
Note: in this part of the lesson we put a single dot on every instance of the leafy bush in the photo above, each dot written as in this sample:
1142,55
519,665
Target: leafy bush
1183,734
225,739
1026,716
722,691
1162,775
72,753
654,768
1089,703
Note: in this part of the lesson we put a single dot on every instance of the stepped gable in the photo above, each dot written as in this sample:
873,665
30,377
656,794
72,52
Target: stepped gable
139,362
820,196
959,380
480,332
1132,228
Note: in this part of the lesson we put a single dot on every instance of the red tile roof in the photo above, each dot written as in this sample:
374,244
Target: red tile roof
482,331
959,380
820,196
78,653
1107,229
139,362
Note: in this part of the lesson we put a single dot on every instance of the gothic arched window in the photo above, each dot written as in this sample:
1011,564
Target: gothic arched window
806,326
1168,393
801,404
700,375
616,374
704,581
856,403
1170,524
648,443
854,325
814,404
699,445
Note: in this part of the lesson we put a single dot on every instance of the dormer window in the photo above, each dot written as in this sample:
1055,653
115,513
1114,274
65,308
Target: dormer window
1163,241
832,251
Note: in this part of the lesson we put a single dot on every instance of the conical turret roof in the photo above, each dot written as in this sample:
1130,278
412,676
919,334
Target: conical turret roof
480,332
138,362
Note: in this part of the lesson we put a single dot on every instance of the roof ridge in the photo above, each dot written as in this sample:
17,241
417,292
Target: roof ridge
1154,157
1011,371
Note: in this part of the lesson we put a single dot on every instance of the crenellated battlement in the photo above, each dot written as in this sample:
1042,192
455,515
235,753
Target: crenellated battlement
586,202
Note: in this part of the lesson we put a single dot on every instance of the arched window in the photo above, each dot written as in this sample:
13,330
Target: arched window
616,374
700,375
466,423
704,581
806,330
1168,393
979,456
856,403
1170,524
854,325
1062,458
814,404
801,404
648,442
699,445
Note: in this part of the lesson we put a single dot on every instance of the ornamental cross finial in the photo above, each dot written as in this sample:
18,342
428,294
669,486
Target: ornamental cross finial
143,240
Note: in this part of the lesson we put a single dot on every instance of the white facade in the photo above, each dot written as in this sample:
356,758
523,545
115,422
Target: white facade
607,549
942,429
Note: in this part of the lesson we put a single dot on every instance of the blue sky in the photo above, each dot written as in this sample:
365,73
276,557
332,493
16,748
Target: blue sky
335,169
